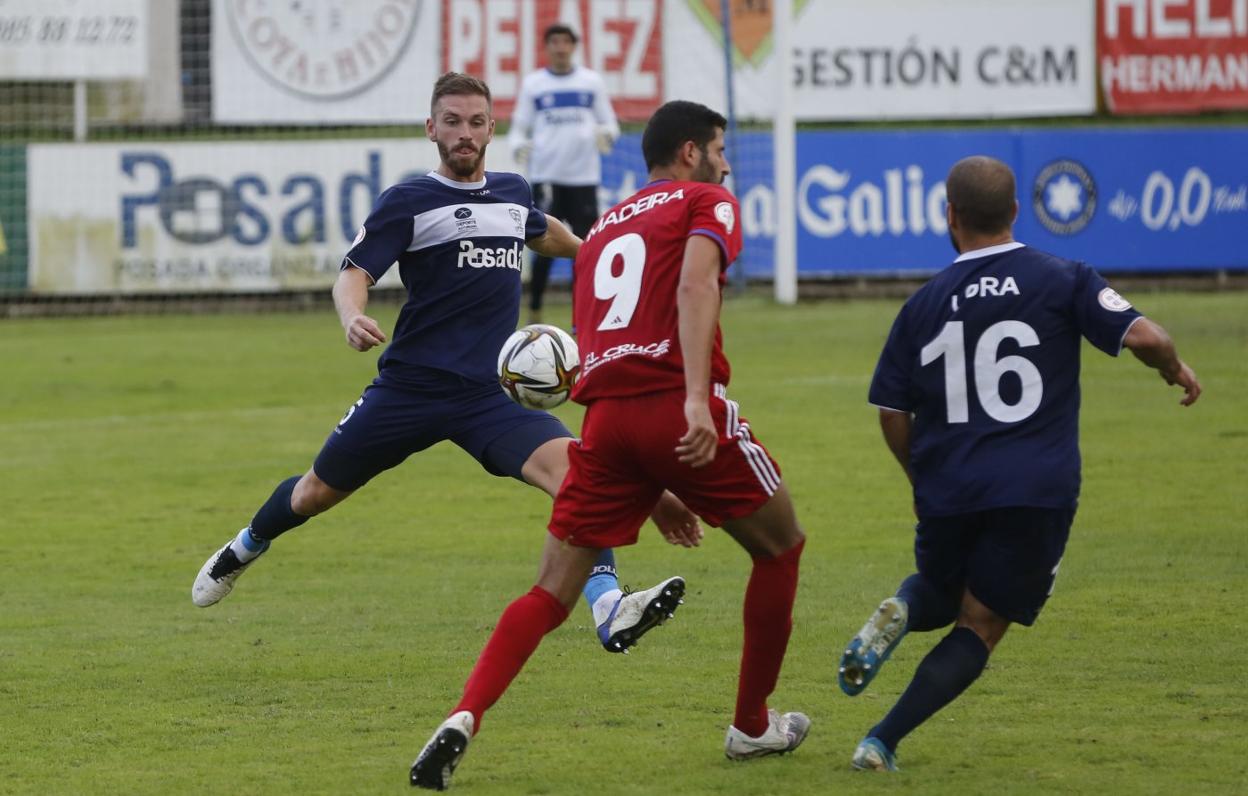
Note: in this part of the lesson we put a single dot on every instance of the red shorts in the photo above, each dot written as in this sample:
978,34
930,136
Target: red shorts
627,457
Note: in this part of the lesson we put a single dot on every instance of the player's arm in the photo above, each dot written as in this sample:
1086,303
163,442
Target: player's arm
607,129
350,299
896,427
521,121
697,308
1152,345
558,240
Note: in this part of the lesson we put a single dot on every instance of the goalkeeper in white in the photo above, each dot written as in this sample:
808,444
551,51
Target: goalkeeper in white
562,124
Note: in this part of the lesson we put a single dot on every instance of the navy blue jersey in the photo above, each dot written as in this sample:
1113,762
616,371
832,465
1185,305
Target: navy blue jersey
459,247
986,358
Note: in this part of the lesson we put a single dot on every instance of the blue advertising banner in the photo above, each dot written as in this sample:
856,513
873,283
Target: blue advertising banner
873,202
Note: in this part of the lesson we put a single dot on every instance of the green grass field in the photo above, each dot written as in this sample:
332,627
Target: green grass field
130,448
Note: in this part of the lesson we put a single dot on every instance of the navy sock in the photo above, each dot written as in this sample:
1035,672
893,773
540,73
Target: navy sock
947,671
929,607
276,517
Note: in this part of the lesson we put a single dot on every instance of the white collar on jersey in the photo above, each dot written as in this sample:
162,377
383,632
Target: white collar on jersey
1000,248
463,186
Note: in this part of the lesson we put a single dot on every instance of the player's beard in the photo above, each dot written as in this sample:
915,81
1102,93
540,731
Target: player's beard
461,165
707,172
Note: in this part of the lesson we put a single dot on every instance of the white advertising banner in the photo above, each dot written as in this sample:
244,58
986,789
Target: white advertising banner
323,62
246,216
73,40
899,59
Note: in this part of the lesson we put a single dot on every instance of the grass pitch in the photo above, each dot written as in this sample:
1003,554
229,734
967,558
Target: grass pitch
130,448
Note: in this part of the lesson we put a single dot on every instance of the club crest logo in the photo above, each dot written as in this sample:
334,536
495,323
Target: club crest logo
1110,300
751,27
1063,197
323,49
518,219
725,216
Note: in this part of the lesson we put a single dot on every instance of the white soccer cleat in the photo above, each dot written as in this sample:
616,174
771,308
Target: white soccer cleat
636,613
785,732
438,760
217,576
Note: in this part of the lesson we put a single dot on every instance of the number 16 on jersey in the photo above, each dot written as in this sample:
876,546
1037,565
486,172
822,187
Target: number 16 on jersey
987,370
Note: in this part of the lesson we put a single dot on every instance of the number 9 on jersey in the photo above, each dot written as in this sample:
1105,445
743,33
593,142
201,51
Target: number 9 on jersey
538,365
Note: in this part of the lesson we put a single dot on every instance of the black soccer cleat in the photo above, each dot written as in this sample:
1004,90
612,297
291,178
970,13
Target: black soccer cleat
438,760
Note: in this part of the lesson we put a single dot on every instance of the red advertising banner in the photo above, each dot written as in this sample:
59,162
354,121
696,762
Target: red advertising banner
500,41
1165,56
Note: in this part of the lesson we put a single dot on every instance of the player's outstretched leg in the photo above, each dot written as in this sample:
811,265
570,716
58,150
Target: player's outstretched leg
867,651
516,636
438,760
919,606
223,568
633,614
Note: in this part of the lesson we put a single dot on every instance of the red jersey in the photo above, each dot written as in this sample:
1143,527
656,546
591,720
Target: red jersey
624,292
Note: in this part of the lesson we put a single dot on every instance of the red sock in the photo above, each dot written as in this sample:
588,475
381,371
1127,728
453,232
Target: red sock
518,633
768,622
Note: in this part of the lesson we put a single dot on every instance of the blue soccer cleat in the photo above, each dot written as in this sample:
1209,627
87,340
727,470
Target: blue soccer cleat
871,647
636,613
873,755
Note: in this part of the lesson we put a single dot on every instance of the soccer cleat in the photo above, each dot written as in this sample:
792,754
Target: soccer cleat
216,577
635,613
871,647
785,732
438,760
873,755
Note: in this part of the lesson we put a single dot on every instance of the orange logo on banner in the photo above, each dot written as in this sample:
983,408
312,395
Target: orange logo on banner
751,25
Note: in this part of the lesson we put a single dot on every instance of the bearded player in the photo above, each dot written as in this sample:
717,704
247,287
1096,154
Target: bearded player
457,234
648,287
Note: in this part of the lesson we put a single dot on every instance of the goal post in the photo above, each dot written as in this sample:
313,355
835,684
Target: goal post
784,140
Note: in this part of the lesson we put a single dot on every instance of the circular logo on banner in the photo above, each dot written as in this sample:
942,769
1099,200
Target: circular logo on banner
323,49
1064,197
1111,301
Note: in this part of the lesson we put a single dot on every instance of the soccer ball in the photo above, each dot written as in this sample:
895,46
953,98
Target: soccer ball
538,366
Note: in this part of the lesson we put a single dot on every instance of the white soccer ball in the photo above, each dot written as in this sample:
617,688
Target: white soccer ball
538,366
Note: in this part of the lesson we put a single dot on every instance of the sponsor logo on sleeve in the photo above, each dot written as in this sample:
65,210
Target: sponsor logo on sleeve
1111,301
725,216
359,238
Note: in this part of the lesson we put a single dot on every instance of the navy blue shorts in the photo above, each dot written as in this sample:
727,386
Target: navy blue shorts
388,424
1007,557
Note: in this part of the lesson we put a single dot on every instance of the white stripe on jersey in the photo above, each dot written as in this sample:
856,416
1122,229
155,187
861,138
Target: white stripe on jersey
442,225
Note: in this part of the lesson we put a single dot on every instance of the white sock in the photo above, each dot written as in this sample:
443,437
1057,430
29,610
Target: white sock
240,548
603,605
